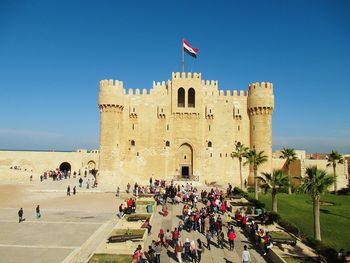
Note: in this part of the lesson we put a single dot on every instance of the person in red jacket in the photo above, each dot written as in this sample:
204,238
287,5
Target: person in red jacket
231,238
175,236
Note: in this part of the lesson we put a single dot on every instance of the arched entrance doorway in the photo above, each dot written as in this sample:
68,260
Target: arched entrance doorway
92,167
65,167
184,160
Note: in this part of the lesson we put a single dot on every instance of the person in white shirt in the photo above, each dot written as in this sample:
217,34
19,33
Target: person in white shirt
246,255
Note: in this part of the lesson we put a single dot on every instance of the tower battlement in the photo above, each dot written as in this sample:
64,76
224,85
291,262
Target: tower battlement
257,85
105,83
186,75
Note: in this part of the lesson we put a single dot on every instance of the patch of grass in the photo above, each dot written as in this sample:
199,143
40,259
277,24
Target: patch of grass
127,231
335,219
108,258
280,235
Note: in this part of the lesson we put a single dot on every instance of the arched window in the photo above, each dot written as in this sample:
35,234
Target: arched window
167,144
181,97
210,144
132,143
191,98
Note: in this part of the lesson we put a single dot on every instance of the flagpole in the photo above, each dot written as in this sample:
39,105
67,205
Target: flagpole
183,56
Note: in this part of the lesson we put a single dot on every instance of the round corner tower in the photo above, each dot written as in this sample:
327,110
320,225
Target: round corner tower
260,109
110,103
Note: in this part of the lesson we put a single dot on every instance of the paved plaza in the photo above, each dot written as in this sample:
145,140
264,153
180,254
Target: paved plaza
68,228
71,227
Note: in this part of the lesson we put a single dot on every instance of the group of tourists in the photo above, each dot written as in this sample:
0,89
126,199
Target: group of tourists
128,207
206,218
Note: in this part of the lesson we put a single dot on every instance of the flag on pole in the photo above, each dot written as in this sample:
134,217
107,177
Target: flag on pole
192,51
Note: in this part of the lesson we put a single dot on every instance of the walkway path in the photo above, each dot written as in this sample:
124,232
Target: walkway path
209,256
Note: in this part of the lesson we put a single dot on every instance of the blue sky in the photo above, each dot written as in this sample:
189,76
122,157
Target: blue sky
53,54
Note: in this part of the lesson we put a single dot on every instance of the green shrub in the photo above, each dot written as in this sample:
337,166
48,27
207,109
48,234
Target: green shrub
290,227
251,190
329,253
273,217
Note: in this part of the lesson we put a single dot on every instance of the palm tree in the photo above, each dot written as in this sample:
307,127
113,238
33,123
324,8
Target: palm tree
315,183
274,181
255,159
240,152
290,156
333,159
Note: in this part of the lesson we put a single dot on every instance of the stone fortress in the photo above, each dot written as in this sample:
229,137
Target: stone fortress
185,128
182,129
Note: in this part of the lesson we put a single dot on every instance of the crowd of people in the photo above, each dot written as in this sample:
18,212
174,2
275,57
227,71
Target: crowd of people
205,218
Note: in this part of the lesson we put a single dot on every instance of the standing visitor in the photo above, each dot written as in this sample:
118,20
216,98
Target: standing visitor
37,210
68,190
187,249
178,251
80,182
74,190
87,183
161,236
221,239
128,188
231,238
199,250
158,250
246,255
193,249
20,215
208,237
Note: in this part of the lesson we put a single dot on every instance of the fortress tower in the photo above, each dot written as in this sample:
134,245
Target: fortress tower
260,108
183,128
111,107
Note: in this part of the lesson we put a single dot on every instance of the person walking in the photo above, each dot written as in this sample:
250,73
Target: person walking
68,190
37,210
199,250
221,239
74,190
231,238
208,237
158,251
187,249
20,215
246,255
80,182
193,250
178,251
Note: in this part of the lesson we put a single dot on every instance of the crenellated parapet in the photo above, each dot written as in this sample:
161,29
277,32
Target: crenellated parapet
186,76
260,98
111,93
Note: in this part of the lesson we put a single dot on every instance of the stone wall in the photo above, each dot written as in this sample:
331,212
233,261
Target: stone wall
41,161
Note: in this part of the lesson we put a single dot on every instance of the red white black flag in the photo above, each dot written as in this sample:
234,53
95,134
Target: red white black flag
192,51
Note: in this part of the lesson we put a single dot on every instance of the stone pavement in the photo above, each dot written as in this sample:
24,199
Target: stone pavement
68,231
209,256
